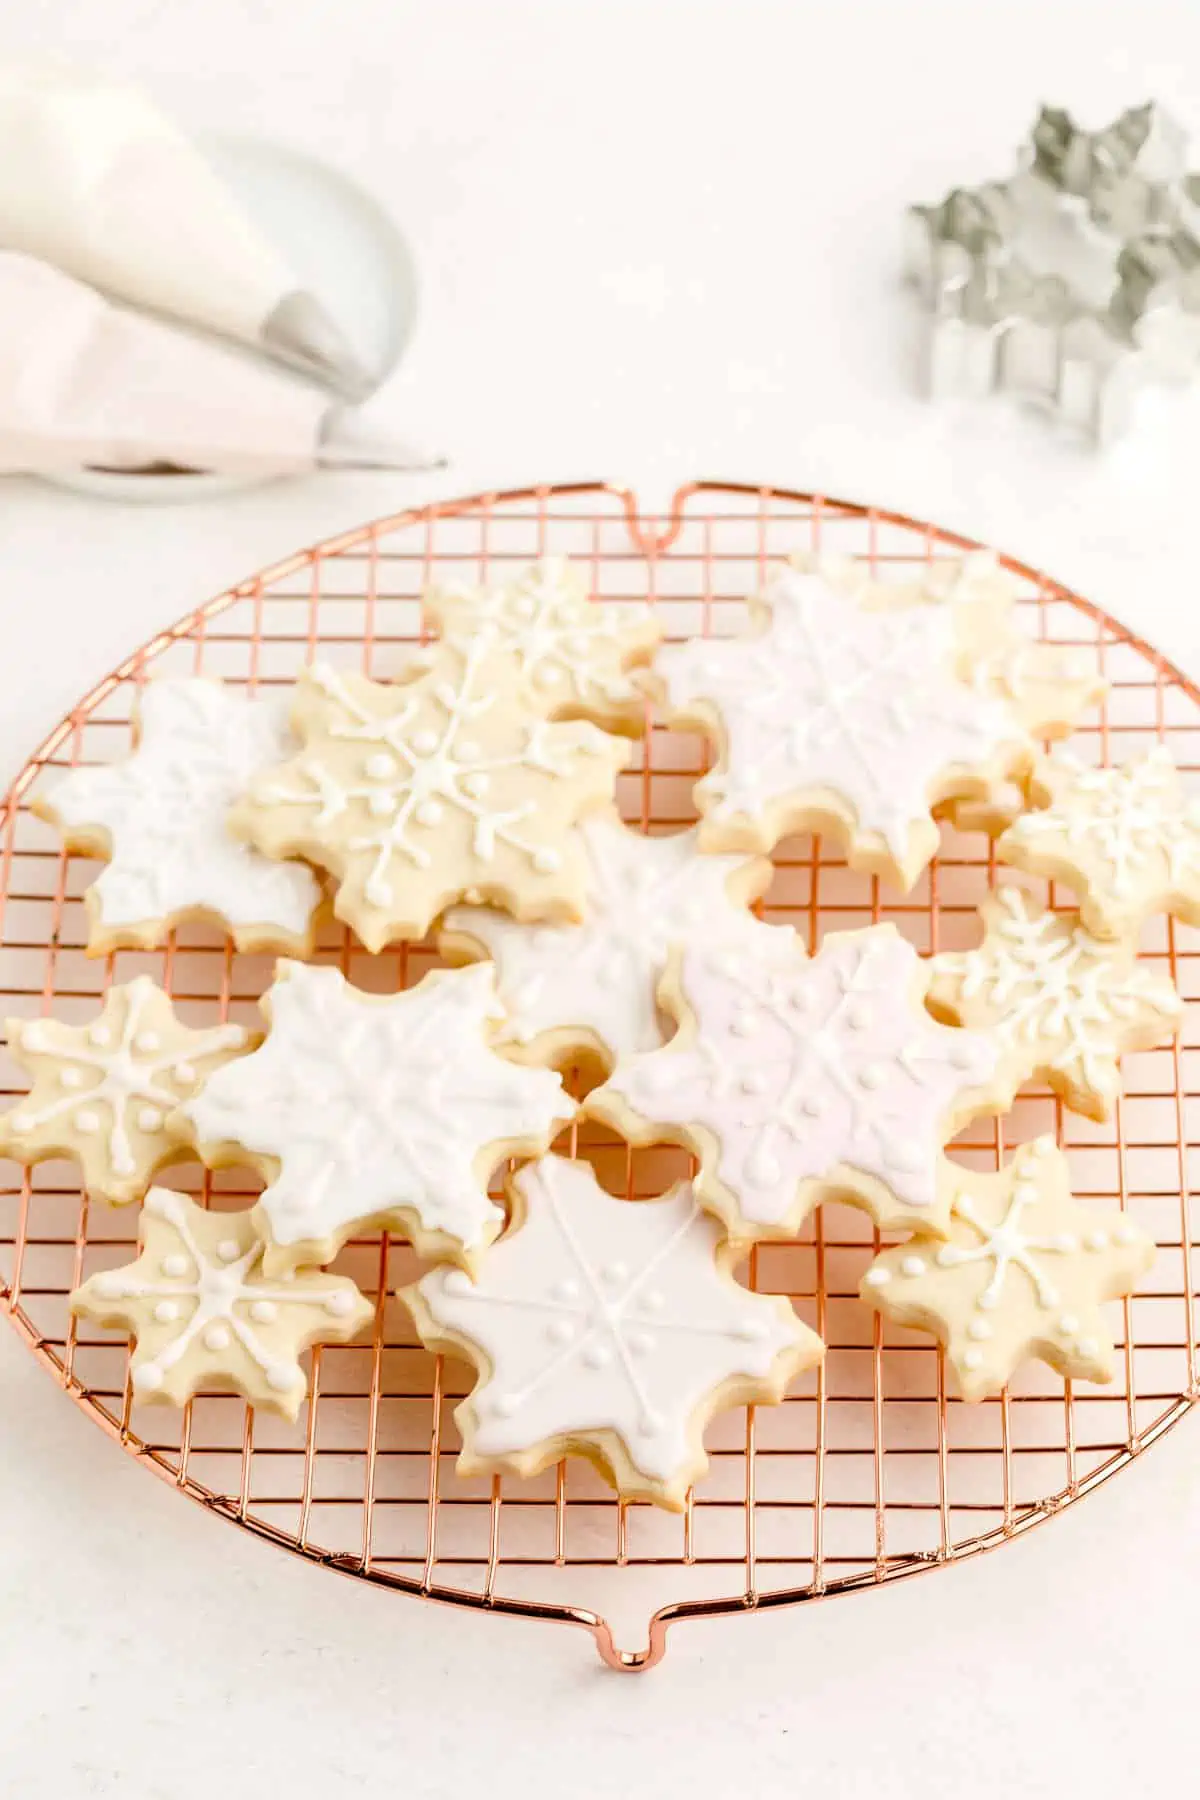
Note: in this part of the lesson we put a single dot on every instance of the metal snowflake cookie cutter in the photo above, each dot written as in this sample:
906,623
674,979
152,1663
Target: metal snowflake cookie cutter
1072,282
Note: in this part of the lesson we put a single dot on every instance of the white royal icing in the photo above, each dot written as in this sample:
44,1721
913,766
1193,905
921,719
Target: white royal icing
807,1067
166,809
131,1070
374,1105
1047,979
417,772
838,698
644,896
598,1314
1133,819
568,647
217,1296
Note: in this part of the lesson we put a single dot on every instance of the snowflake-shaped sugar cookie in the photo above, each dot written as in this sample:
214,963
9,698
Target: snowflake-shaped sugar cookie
1024,1273
1127,840
834,715
204,1315
105,1093
1062,1004
568,989
160,818
415,796
1044,688
574,654
795,1080
607,1328
365,1109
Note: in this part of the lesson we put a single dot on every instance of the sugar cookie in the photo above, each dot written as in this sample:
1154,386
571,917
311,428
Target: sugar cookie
204,1316
610,1329
836,716
590,988
160,818
796,1080
105,1093
367,1109
1024,1273
574,654
1062,1004
418,795
1127,840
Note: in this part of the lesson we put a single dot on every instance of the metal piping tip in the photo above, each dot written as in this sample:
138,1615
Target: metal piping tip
301,333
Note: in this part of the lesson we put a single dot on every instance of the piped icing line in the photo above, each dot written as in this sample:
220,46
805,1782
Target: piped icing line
609,1328
570,989
204,1315
1024,1274
364,1109
832,715
160,819
1126,839
574,655
797,1079
1062,1005
105,1092
415,795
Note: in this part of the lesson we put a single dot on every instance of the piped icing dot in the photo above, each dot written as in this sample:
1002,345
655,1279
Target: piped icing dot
1068,1324
614,1274
912,1265
972,1359
381,767
430,812
476,784
597,1355
566,1290
216,1337
87,1121
70,1076
1095,1240
147,1042
263,1311
21,1121
639,1343
546,861
281,1378
165,1311
228,1250
147,1378
979,1328
184,1073
149,1118
1087,1347
99,1035
425,742
340,1303
560,1331
878,1276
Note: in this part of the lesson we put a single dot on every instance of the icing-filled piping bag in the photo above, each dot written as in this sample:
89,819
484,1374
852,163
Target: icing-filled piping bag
84,383
94,179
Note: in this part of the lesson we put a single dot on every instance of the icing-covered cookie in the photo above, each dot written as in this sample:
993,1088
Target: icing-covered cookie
415,796
833,715
1127,840
611,1329
1024,1273
1062,1004
105,1093
574,654
1043,687
797,1079
160,818
203,1315
367,1109
591,988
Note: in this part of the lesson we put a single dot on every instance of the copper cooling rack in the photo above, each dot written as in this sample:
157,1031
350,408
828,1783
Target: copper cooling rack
870,1471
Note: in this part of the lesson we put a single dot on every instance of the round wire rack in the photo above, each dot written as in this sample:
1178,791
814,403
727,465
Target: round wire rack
870,1470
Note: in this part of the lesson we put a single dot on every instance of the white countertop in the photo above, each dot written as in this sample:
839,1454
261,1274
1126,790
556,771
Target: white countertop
658,239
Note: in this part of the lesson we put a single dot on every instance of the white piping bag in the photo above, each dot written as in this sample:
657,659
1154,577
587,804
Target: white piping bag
84,383
94,179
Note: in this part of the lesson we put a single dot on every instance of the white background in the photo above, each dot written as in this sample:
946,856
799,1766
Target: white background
658,240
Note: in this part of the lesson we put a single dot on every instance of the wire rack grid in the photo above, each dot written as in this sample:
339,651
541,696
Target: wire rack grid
870,1470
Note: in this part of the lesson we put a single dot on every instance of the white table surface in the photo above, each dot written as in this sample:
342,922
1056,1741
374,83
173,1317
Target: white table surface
658,240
